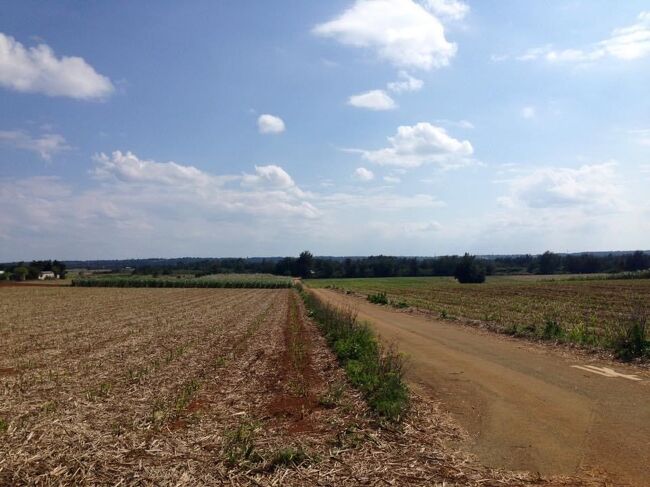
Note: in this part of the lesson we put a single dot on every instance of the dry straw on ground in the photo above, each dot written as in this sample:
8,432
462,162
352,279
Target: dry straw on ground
200,387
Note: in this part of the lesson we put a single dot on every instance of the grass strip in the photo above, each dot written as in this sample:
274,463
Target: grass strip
377,371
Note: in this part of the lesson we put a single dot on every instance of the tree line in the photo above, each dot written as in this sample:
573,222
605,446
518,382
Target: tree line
307,265
21,271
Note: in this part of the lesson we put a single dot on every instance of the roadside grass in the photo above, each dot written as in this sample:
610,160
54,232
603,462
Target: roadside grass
593,312
377,371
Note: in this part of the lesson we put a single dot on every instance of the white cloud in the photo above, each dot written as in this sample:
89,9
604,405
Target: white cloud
641,136
401,32
363,174
45,145
448,9
406,82
392,179
138,207
271,176
422,143
270,124
528,112
463,124
38,70
591,187
626,43
373,100
127,167
371,200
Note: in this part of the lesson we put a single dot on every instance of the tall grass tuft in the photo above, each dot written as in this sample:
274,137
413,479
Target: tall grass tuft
377,371
630,337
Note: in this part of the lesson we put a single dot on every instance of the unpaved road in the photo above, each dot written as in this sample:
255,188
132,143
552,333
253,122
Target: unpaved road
526,407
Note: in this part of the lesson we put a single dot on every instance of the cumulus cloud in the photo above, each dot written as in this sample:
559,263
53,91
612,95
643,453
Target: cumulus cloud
129,168
592,187
447,9
39,70
373,100
363,174
401,32
46,145
137,206
422,143
271,176
406,82
270,124
625,43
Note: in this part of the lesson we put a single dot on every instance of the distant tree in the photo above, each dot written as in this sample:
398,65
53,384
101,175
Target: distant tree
304,264
20,273
549,263
636,261
469,270
413,267
349,268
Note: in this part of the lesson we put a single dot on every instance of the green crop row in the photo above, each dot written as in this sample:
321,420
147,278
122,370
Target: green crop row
182,283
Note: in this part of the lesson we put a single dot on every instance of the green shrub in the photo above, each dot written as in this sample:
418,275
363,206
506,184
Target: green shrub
378,298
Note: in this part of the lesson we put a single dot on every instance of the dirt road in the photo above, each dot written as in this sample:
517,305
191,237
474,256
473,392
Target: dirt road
525,406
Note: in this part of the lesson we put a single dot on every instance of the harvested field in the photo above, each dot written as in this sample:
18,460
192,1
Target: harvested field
586,312
199,387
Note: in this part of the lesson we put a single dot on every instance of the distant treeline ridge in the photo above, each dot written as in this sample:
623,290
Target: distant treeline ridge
306,265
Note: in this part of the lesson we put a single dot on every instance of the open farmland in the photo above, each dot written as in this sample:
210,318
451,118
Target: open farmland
588,312
195,387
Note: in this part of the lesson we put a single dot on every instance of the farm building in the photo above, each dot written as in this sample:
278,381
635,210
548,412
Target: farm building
47,275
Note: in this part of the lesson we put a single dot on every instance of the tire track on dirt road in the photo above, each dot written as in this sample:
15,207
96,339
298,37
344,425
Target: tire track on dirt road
525,406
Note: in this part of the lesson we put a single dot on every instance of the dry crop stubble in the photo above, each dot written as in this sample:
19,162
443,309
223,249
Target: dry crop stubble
215,364
586,311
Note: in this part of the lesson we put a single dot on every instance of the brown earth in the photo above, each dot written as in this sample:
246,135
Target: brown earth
525,405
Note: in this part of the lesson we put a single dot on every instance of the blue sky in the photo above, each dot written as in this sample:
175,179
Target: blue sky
407,127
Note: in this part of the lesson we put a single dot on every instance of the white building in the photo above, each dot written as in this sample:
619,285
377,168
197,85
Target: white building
47,275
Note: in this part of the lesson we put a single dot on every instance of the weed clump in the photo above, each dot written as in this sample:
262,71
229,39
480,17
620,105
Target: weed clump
239,445
552,329
630,338
289,457
377,371
378,298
